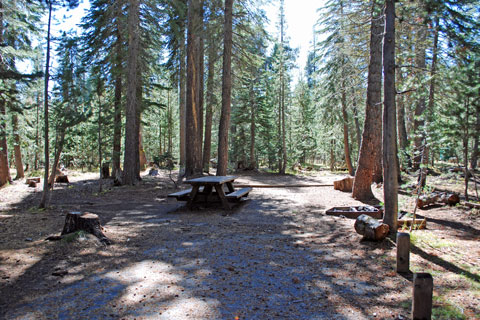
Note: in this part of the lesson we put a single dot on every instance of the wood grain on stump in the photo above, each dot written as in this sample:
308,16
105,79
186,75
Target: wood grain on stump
88,222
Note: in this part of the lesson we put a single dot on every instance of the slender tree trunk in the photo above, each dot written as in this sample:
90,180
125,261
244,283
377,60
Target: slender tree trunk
99,128
332,155
346,144
465,146
419,121
182,104
46,191
131,157
226,91
207,145
170,125
37,133
58,151
117,103
370,146
390,159
358,133
253,162
4,167
17,149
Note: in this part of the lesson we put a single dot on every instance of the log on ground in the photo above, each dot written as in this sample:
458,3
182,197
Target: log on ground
88,222
62,179
345,184
438,198
371,228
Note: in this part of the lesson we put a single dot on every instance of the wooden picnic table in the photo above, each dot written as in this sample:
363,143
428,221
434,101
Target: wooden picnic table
211,189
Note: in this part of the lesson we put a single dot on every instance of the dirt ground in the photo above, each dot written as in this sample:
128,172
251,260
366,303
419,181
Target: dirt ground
276,256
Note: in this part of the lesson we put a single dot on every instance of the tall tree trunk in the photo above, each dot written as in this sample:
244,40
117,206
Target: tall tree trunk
346,144
99,132
390,159
37,133
193,164
131,157
182,94
370,146
419,121
253,162
283,154
358,133
17,149
4,167
46,191
170,125
207,145
117,103
226,91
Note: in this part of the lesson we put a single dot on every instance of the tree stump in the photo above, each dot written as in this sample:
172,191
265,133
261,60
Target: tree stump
345,184
62,179
32,179
105,170
88,222
371,228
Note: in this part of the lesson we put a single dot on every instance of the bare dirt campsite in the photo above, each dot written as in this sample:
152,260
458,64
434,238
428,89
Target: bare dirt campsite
277,255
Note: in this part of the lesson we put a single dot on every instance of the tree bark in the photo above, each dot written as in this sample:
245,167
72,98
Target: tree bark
17,149
370,228
207,145
193,142
58,152
370,146
131,157
420,107
253,162
226,91
46,191
182,102
117,102
346,144
390,159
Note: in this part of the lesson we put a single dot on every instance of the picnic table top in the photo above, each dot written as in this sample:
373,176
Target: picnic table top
211,180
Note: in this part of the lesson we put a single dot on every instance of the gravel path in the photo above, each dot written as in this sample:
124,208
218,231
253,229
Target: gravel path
276,256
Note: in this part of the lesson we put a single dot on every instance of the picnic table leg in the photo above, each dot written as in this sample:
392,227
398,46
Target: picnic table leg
222,197
230,187
192,197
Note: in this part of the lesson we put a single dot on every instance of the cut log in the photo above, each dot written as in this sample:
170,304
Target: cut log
61,179
88,222
32,184
371,228
32,179
345,184
438,198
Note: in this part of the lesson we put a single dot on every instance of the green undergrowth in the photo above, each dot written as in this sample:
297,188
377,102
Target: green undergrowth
80,235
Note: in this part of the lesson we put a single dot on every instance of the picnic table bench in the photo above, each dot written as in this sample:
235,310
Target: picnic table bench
211,189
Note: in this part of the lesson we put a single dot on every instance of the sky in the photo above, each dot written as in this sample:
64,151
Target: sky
300,16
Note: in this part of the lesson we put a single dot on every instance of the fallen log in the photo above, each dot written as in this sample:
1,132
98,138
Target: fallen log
371,228
438,198
88,222
345,184
472,205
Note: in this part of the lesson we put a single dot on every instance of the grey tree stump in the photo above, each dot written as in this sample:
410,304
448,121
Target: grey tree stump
88,222
371,228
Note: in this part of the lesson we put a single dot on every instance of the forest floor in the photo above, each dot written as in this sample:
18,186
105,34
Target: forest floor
275,256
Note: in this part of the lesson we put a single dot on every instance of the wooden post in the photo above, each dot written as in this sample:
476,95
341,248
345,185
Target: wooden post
422,296
403,252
